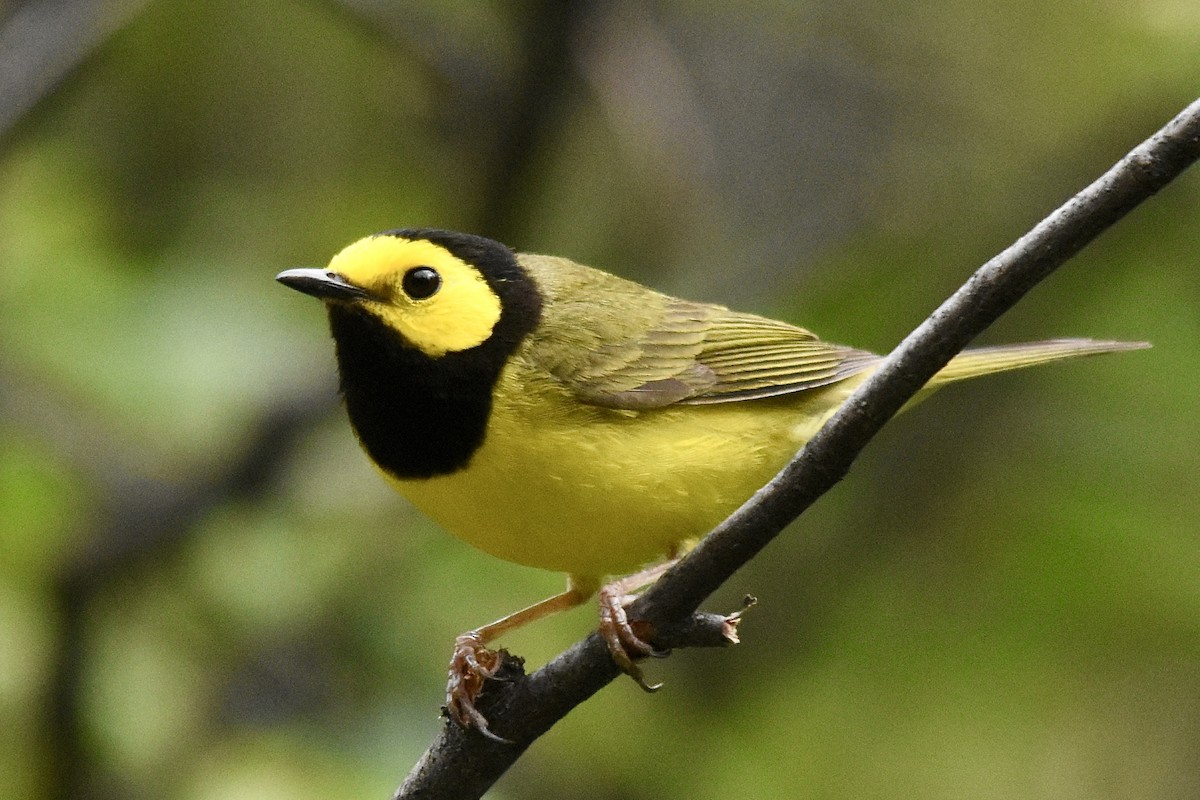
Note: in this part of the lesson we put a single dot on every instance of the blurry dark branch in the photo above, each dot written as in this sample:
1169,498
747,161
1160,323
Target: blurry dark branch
42,41
151,516
409,36
146,518
535,108
140,518
505,122
143,516
462,764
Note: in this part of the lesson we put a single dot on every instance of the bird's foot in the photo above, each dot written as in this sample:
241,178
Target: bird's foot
624,643
470,668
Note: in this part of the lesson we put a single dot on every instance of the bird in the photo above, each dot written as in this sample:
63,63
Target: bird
561,417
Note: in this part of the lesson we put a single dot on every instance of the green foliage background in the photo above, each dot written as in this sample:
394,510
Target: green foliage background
1002,600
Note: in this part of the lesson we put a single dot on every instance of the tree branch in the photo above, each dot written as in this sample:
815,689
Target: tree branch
146,519
464,764
43,41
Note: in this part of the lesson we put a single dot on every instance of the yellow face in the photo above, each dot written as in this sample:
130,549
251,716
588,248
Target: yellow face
439,303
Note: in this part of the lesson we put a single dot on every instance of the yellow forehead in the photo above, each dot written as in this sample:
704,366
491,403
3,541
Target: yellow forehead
380,261
460,315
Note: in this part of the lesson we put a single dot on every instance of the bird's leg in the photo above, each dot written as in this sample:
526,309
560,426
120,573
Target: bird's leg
615,627
473,663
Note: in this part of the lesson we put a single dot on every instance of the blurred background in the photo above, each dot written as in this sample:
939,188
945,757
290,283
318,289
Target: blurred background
205,592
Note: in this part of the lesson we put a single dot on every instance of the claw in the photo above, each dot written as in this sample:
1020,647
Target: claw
473,663
622,640
470,667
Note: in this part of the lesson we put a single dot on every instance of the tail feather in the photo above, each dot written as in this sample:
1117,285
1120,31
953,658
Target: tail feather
1001,358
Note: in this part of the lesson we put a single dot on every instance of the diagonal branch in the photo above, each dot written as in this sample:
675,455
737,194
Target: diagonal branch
464,764
43,41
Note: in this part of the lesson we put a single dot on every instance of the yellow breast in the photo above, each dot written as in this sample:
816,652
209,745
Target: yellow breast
593,491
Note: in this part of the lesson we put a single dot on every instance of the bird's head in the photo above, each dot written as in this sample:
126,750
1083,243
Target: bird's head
442,292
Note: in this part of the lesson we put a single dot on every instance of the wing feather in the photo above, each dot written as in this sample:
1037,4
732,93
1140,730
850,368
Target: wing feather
657,350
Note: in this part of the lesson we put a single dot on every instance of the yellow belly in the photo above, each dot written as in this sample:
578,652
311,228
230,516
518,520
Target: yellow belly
595,492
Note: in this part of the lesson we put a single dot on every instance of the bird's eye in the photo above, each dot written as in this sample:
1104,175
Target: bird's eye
421,282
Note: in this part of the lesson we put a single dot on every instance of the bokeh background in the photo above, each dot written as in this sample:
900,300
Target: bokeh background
205,592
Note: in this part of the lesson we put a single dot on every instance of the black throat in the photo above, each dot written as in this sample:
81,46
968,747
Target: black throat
419,416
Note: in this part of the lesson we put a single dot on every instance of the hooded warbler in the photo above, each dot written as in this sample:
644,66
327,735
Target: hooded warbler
561,417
